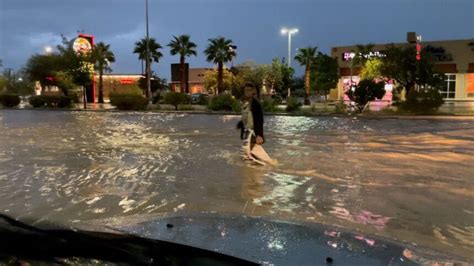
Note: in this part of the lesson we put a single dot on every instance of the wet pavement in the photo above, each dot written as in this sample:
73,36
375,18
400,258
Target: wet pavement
405,179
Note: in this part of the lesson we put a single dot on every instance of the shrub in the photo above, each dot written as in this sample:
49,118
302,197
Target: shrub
277,99
203,99
292,104
186,107
340,107
224,102
269,105
423,101
128,89
128,101
236,106
52,101
75,97
157,99
64,101
9,100
176,98
37,101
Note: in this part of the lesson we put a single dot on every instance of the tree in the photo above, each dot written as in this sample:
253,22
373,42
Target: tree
219,51
58,69
16,83
184,47
288,80
366,91
274,78
176,98
326,70
102,57
252,73
471,44
64,81
298,85
400,64
372,69
43,67
306,58
211,80
155,54
80,66
3,83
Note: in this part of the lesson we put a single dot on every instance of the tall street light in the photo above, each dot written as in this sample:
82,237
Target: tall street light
148,70
290,32
48,50
232,49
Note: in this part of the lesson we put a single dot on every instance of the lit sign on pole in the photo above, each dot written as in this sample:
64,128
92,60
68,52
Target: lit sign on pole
418,52
418,47
82,45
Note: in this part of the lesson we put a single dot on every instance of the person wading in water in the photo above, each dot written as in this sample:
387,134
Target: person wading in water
251,127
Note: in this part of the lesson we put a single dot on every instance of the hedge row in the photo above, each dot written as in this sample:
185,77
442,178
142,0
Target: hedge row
128,101
9,100
58,101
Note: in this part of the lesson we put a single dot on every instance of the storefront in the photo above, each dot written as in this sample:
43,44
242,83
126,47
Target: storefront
118,83
455,59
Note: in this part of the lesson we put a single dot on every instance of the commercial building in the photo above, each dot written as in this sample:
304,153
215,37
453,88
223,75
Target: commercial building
117,83
453,58
195,80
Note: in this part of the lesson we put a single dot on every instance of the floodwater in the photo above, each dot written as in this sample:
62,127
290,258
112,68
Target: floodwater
406,179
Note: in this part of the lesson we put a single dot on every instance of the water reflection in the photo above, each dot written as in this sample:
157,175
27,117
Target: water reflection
283,190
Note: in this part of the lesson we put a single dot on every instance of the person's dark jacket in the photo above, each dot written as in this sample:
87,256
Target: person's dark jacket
257,114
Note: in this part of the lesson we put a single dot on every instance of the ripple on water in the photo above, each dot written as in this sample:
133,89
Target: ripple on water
453,236
283,189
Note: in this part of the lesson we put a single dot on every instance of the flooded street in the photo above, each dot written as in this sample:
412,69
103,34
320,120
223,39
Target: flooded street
406,179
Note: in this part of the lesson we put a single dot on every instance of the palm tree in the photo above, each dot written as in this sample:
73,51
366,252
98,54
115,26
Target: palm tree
306,57
102,57
220,51
184,47
140,49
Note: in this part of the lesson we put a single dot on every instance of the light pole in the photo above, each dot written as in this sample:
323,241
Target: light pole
232,49
148,74
289,32
352,55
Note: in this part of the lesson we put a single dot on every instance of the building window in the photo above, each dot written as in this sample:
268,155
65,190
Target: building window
448,89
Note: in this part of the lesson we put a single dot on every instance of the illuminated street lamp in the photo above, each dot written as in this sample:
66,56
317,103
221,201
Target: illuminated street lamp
290,32
232,49
48,49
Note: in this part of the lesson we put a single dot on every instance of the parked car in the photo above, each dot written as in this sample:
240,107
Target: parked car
199,98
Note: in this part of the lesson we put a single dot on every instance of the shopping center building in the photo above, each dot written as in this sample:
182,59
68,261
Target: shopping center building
453,58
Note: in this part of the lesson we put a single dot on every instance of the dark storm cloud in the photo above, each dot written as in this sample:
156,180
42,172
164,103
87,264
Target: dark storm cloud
26,26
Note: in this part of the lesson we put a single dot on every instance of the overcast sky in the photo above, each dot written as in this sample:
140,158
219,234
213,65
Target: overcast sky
27,26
